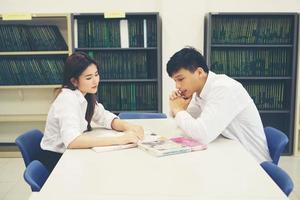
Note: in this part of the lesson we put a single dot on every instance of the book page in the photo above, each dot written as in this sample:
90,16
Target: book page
148,137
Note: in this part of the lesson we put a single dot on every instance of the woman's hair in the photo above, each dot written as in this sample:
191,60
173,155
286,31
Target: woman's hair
74,66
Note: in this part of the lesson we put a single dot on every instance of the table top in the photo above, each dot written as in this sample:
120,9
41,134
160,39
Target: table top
223,171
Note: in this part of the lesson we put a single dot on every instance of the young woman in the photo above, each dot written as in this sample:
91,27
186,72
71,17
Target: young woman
75,107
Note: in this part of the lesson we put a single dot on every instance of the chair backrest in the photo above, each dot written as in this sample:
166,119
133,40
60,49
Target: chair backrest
277,141
29,145
279,176
138,115
36,175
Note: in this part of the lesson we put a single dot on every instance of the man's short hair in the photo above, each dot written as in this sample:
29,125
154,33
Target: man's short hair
187,58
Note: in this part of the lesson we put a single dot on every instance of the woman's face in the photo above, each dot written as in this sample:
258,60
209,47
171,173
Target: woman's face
88,80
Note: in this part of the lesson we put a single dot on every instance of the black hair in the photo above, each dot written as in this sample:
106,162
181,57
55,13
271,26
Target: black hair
187,58
74,66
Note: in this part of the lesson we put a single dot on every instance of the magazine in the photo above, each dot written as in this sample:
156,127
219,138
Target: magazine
163,147
194,144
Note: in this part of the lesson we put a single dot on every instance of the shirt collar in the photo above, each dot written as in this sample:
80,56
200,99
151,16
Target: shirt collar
78,94
206,88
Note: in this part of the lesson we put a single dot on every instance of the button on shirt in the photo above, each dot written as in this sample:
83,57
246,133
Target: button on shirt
66,120
224,107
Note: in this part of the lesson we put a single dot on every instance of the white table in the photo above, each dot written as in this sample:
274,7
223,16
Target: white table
224,171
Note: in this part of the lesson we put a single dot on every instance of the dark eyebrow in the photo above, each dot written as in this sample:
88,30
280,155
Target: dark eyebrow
91,74
178,76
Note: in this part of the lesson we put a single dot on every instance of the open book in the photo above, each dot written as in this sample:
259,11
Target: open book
149,137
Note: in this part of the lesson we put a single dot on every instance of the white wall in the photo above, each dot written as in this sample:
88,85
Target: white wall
182,21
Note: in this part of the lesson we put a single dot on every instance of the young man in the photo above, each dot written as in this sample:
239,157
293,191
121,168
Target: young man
206,105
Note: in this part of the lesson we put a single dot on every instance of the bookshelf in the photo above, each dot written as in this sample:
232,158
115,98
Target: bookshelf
128,50
260,51
297,111
33,50
297,122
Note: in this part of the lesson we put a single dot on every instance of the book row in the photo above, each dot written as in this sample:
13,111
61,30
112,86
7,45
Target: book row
37,70
125,65
268,95
31,38
252,30
128,96
131,32
252,62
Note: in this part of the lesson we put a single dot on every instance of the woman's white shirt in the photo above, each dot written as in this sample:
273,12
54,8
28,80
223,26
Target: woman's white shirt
66,120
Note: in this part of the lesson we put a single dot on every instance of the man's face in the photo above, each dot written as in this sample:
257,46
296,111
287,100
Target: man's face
189,82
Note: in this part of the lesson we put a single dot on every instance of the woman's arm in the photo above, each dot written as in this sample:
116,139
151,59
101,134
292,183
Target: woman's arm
120,125
88,141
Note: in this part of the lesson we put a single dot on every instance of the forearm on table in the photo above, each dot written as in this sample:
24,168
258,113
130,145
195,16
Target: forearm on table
120,125
88,141
192,127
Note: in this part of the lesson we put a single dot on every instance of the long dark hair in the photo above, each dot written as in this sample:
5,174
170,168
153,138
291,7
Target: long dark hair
74,66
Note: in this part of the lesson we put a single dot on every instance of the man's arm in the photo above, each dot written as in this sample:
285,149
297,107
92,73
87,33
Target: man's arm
217,114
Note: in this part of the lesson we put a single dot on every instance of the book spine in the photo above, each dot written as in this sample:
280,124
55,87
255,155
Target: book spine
145,32
75,34
124,33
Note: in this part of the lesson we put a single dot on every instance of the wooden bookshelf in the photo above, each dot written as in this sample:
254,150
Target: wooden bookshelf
258,50
297,112
29,67
128,51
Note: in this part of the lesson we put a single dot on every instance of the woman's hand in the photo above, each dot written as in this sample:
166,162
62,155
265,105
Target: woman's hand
138,131
129,137
121,125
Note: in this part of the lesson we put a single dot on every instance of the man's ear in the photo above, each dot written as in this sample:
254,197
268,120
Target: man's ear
74,82
200,71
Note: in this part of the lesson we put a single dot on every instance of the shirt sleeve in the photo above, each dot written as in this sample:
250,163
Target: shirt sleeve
69,121
193,108
218,112
103,117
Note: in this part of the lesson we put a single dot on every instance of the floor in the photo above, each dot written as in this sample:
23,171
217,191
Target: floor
12,185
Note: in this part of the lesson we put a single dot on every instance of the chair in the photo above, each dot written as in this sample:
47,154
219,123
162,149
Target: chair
137,115
36,175
279,176
29,145
277,141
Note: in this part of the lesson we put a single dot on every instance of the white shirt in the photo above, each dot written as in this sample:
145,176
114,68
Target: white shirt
66,120
224,107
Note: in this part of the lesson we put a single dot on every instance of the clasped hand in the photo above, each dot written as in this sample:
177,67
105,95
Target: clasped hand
178,103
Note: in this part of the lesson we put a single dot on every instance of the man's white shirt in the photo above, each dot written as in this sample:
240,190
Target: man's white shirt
224,107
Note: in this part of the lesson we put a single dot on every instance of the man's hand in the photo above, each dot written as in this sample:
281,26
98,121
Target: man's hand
174,95
178,103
